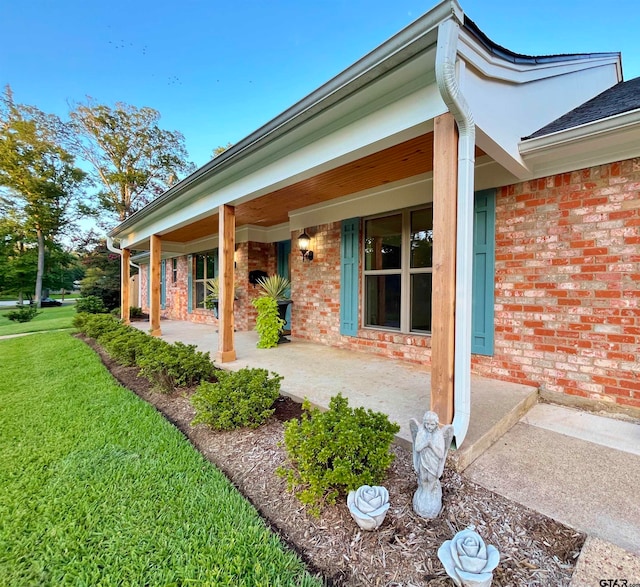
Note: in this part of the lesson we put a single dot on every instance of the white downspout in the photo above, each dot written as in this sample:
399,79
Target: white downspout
447,81
113,249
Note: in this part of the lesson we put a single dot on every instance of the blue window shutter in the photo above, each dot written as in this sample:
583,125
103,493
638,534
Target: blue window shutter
349,247
189,283
484,233
163,284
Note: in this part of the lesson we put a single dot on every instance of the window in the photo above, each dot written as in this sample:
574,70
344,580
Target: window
398,259
206,267
174,270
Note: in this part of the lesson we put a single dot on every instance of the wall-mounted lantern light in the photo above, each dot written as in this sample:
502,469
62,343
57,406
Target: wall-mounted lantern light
303,244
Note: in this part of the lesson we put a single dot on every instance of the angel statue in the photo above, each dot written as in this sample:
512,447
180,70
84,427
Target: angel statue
430,446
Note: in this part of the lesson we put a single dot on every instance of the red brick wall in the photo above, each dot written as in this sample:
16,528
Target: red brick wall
568,284
315,287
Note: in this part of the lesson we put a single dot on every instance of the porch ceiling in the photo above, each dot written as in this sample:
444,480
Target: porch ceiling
412,157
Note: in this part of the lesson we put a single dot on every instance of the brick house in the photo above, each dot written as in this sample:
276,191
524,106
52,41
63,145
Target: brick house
469,208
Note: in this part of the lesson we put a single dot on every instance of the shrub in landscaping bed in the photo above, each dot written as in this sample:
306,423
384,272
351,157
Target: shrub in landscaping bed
95,325
242,398
125,345
165,365
174,365
336,451
90,305
23,313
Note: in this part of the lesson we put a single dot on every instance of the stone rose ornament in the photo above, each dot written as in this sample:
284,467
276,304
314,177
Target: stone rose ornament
368,506
467,560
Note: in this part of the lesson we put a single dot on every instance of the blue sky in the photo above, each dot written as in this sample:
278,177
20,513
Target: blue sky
218,70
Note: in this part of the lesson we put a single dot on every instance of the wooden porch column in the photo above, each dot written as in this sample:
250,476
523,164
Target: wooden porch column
154,302
226,249
125,276
445,171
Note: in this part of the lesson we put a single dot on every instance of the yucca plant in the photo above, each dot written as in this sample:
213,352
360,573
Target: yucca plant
213,292
276,287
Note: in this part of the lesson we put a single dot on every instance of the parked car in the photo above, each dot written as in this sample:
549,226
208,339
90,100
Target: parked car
49,303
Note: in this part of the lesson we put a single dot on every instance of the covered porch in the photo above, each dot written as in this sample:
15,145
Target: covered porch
397,388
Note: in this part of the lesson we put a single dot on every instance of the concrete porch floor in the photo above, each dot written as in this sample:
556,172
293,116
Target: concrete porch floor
397,388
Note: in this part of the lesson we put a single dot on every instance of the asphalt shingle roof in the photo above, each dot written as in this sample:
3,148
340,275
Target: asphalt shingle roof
622,97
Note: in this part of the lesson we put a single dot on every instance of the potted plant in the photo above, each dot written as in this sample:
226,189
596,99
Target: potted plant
272,309
213,295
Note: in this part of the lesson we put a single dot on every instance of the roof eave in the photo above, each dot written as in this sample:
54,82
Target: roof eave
398,49
565,137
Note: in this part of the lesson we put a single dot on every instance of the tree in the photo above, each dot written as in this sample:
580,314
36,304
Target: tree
18,257
220,149
41,181
101,273
132,157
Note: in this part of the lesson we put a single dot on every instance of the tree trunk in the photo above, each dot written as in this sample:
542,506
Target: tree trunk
40,272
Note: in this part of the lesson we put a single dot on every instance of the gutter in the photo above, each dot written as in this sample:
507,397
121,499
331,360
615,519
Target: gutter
446,78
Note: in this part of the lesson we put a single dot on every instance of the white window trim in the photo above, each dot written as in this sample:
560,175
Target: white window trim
405,272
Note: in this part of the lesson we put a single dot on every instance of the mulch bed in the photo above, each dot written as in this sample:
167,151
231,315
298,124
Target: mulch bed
535,550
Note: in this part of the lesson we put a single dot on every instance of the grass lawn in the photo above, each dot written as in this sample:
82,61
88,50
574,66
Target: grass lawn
49,319
99,489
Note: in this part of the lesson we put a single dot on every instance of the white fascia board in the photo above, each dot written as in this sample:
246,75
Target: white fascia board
401,194
497,68
401,120
597,143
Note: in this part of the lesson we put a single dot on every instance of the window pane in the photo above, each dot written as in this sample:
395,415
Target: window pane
383,240
199,294
422,238
383,300
199,266
210,265
421,302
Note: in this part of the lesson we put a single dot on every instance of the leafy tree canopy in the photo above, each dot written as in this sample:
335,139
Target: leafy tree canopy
133,159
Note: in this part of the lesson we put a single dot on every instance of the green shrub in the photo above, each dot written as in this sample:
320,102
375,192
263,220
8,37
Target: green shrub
79,321
336,451
126,345
23,313
90,305
169,366
242,398
268,323
97,325
165,365
135,312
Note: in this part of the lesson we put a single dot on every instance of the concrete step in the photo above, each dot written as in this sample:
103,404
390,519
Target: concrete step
590,485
